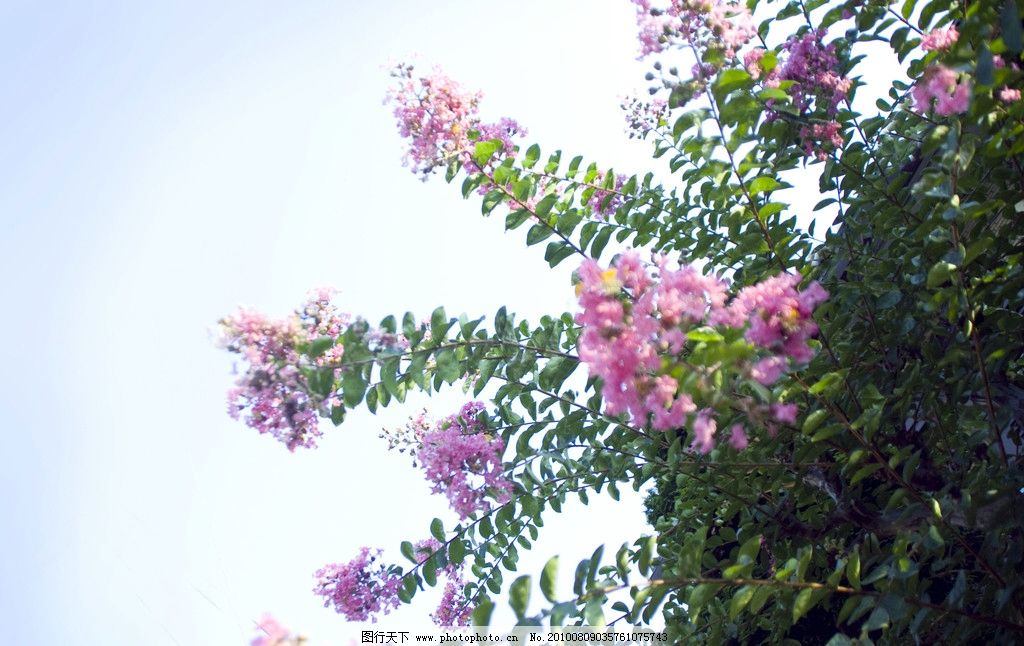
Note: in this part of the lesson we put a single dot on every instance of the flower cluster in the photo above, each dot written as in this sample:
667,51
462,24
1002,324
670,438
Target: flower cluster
604,203
437,116
454,608
409,438
778,317
643,116
459,456
274,391
702,24
635,327
939,39
359,589
272,633
950,93
1009,95
817,87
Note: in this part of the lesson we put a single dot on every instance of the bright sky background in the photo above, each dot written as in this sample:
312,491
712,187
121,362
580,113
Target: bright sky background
163,164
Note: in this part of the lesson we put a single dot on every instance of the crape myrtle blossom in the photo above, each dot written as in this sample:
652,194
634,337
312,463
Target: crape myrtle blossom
635,322
408,438
440,119
643,116
1009,95
459,457
271,633
939,39
454,609
273,392
817,89
703,24
604,203
360,589
274,388
951,92
778,316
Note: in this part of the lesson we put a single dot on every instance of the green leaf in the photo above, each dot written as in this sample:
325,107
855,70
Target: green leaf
555,372
438,325
740,600
519,595
429,571
763,184
803,602
750,549
940,273
878,620
319,346
889,299
485,150
699,597
853,569
408,551
544,205
338,415
405,595
986,66
448,366
437,529
353,386
482,612
827,382
486,369
600,241
522,189
593,612
705,335
1010,22
560,611
537,233
457,552
532,155
814,420
547,579
731,79
646,553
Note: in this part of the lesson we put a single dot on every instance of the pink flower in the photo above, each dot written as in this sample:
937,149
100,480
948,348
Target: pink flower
939,39
779,315
752,62
463,462
635,325
274,393
818,88
436,114
273,632
725,24
1009,95
703,431
819,138
643,116
737,437
940,83
359,590
785,413
768,370
454,608
602,203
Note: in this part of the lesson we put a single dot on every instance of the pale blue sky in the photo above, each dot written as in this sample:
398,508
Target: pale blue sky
163,163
